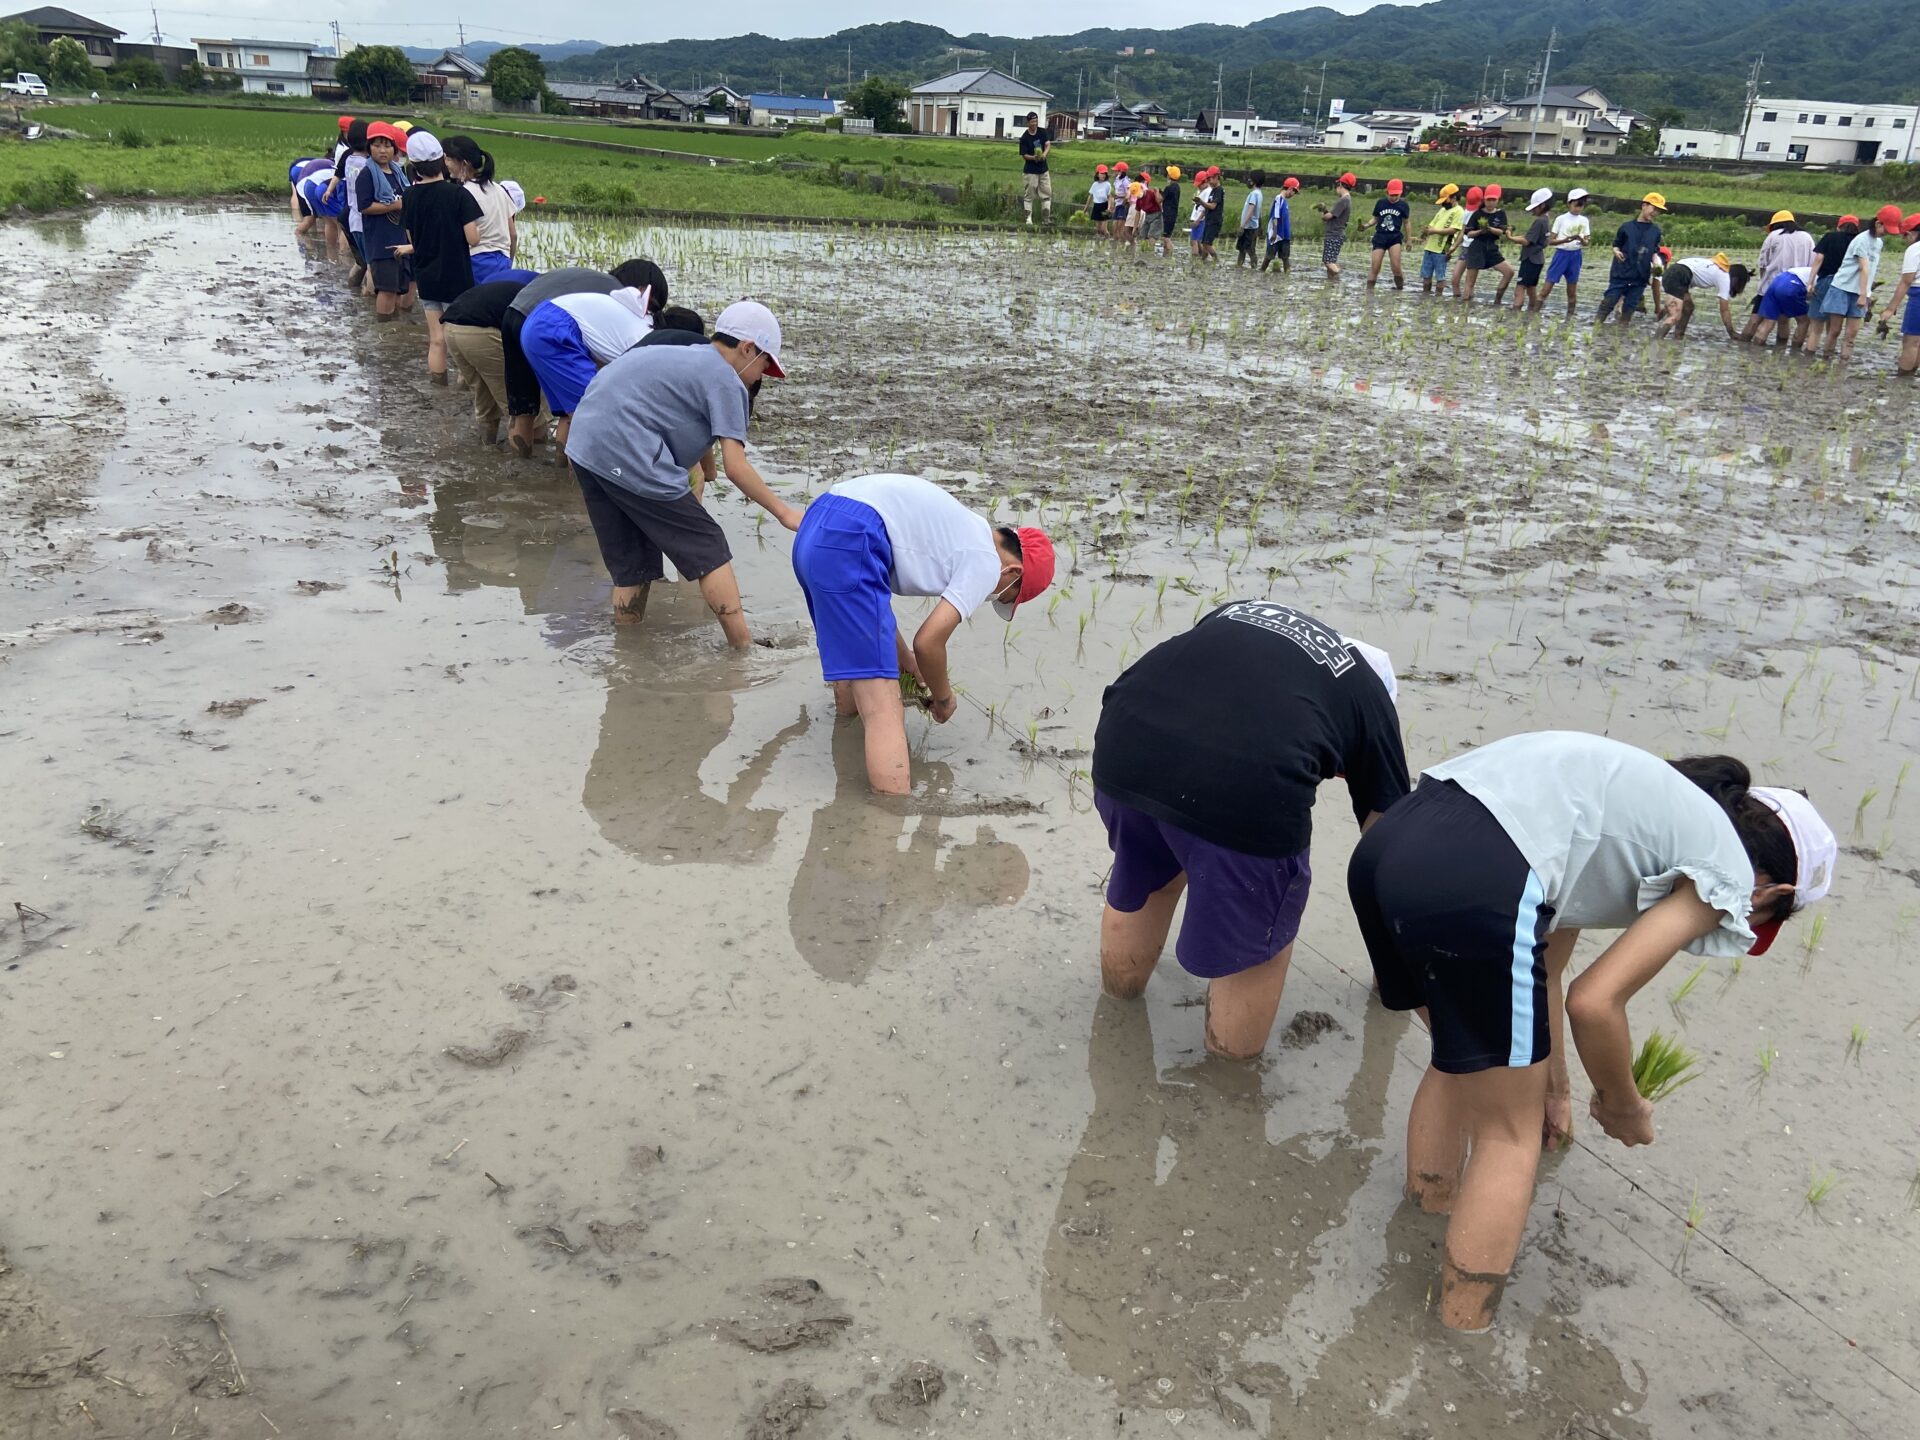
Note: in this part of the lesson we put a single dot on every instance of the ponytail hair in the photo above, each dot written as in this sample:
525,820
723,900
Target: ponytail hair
467,151
1768,845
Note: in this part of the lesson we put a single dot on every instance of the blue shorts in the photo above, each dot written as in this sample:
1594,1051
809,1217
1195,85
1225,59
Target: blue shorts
1838,304
550,339
844,563
313,190
1910,322
1821,284
1242,910
1628,296
490,265
1785,298
1433,265
1565,265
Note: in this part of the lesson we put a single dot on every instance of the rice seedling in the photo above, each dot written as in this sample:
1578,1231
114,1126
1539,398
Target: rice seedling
1766,1055
1857,1044
1696,1212
1814,932
1820,1185
916,696
1679,997
1662,1067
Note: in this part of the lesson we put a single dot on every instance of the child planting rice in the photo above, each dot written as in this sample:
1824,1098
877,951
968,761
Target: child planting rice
1470,895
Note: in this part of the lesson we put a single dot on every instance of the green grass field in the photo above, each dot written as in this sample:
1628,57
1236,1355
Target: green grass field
181,151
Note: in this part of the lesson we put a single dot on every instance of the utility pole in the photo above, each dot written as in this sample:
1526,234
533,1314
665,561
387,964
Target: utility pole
849,67
336,37
1219,79
156,24
1753,94
1321,96
1485,71
462,25
1546,68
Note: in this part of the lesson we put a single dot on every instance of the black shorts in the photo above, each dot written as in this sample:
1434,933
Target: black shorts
523,386
1248,239
634,531
1281,249
392,277
1455,919
1482,257
1530,273
1678,280
306,210
1387,240
1099,212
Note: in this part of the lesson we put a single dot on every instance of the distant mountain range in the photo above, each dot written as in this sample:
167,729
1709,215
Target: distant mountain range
1690,55
479,50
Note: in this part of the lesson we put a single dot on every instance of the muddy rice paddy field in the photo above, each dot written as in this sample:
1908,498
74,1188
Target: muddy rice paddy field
424,1012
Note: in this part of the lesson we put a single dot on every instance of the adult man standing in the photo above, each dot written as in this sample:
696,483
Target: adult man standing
1636,245
1036,183
650,415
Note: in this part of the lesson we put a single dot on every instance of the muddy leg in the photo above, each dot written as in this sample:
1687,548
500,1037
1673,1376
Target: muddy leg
721,591
1240,1008
1436,1143
630,604
436,349
883,716
1131,942
843,702
1504,1109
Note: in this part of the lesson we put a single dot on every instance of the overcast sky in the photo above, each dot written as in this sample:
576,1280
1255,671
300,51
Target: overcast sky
435,22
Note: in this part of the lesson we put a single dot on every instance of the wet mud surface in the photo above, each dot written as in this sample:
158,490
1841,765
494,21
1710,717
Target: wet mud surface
426,1011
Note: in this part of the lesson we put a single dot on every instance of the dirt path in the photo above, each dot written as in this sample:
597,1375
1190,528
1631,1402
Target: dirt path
504,1026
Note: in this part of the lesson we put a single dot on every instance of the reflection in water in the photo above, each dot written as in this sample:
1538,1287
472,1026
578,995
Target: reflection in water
861,894
531,536
1192,1254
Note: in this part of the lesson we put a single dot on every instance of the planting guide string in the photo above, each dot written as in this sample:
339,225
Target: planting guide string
1749,1267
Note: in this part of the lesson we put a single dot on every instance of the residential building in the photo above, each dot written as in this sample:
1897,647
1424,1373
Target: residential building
1679,143
713,105
51,23
1380,130
171,53
264,67
978,103
764,109
458,81
1831,132
1570,121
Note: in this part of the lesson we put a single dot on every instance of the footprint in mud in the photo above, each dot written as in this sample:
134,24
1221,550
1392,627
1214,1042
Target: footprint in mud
503,1047
610,1238
914,1389
781,1417
1307,1027
811,1318
317,587
233,708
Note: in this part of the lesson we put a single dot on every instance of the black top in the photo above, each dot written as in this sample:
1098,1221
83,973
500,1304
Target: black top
1390,219
436,213
484,305
1170,201
1030,148
658,336
1534,251
1832,249
1488,227
1228,730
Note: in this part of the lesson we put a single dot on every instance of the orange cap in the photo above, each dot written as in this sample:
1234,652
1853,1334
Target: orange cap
1395,187
1349,180
1891,217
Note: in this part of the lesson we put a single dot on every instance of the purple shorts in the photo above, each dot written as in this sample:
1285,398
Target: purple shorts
1242,910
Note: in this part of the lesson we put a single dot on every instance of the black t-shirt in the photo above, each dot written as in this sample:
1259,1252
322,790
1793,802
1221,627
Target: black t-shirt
1170,200
1832,249
436,214
657,336
1390,219
1493,220
1030,148
1228,730
484,305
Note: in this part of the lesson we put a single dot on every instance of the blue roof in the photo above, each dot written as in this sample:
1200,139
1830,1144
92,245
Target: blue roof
790,102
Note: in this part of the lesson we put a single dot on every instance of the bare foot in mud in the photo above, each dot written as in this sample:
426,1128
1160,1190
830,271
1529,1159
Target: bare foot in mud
629,604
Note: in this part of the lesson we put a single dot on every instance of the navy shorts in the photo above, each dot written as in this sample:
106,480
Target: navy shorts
391,276
1242,910
1630,297
1529,275
1456,920
1910,321
1564,265
844,563
550,339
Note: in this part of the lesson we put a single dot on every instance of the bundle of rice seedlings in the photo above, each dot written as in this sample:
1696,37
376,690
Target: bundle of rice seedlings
913,693
1662,1066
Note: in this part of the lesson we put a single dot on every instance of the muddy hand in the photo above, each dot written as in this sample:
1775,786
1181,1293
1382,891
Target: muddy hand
1556,1131
1631,1123
942,710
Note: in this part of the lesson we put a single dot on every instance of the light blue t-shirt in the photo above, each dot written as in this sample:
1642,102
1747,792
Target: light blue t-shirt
1865,244
654,412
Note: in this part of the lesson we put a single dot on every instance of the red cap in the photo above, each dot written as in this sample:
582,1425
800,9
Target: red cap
1891,218
1394,187
1847,220
1475,194
1036,570
1120,165
1290,183
1666,252
381,130
1913,224
1349,180
1099,169
1492,192
345,121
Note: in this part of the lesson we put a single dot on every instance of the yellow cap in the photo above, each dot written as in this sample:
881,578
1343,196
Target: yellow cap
1448,191
1781,217
1173,172
1655,199
1720,259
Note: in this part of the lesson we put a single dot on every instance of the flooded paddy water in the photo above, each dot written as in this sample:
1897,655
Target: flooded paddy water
424,1012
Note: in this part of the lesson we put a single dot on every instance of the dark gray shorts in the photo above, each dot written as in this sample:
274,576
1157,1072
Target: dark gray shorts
634,531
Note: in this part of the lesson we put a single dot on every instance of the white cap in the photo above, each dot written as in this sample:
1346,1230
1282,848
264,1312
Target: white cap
1813,843
1576,193
750,320
515,194
1540,197
422,146
1378,661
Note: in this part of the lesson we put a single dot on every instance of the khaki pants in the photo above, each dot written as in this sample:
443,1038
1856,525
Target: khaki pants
1037,186
475,349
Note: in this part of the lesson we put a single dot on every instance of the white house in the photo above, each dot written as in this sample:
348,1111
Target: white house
1679,143
773,110
265,67
1831,132
1380,130
982,104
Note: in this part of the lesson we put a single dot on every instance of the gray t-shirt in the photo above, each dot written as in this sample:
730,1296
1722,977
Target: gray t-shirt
652,413
1609,829
570,280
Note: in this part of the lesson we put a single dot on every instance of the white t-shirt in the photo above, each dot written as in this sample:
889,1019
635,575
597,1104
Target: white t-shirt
1910,262
355,164
1100,192
496,210
939,546
610,325
1609,829
1706,273
1802,273
1568,224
